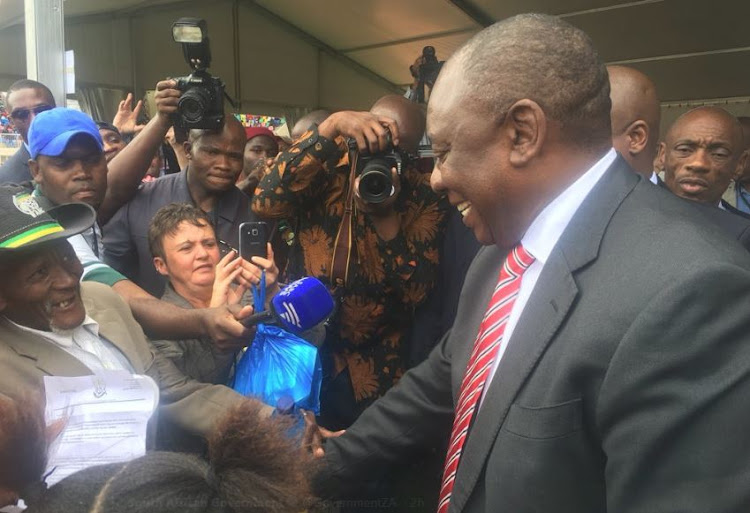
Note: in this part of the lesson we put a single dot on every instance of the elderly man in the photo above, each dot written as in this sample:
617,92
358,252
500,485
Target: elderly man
68,165
52,325
597,362
635,117
24,100
380,256
702,153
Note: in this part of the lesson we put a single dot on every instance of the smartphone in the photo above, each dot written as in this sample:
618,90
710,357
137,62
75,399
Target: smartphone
253,239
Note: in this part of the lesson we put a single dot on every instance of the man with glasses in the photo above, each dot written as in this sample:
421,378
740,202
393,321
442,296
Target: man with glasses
24,100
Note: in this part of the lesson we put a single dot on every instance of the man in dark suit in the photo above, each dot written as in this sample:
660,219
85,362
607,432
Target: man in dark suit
617,371
701,154
25,99
635,132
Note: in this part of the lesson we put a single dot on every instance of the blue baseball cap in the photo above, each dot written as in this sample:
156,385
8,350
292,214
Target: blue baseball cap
51,131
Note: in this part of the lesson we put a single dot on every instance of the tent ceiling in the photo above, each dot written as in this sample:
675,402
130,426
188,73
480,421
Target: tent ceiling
693,49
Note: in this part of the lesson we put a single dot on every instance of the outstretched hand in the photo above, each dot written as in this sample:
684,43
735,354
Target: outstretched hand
126,119
315,435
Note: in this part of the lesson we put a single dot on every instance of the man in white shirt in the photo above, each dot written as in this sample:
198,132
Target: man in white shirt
600,358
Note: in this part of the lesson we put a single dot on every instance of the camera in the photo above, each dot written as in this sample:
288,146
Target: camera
427,72
374,171
201,105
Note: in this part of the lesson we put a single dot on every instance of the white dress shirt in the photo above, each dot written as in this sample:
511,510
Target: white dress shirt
86,346
541,238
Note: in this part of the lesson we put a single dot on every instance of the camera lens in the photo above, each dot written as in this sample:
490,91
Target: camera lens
193,105
255,232
375,183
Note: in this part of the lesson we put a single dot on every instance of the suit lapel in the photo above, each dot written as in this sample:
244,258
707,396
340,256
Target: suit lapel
549,304
48,358
112,327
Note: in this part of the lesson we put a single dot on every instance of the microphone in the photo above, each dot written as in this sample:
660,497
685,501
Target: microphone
301,305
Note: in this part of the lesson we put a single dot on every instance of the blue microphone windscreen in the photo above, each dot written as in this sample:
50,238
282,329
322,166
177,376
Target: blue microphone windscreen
303,304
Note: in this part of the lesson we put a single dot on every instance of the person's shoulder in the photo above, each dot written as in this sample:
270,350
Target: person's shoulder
735,211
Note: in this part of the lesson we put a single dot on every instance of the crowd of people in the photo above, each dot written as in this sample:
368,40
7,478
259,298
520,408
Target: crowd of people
550,314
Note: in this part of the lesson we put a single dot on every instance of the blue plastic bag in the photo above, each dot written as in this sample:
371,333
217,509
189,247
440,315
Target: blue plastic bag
278,364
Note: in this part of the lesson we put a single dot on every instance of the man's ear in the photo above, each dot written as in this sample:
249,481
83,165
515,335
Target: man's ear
161,266
637,134
188,147
527,126
740,169
661,156
35,174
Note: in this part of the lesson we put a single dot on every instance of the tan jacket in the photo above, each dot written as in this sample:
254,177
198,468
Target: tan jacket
184,403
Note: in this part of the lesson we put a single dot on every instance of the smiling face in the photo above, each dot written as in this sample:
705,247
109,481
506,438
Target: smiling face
472,162
190,257
79,174
701,154
40,288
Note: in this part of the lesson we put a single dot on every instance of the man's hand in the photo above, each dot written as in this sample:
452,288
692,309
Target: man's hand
222,324
126,119
367,129
166,97
315,435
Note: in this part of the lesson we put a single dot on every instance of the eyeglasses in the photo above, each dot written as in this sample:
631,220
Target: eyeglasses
23,114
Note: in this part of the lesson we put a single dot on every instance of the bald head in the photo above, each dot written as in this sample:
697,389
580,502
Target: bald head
408,116
635,117
304,123
701,153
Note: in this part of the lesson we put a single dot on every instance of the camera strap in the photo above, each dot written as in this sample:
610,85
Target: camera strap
342,249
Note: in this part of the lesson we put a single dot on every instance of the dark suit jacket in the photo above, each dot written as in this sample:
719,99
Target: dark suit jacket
732,210
736,224
624,387
16,168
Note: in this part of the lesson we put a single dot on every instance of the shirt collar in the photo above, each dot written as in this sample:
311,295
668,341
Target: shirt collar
63,339
654,178
549,225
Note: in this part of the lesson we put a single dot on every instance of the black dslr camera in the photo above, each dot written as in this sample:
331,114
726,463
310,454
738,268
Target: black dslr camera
374,171
427,72
201,104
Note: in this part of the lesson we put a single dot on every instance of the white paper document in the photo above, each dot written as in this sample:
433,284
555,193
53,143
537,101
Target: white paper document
106,419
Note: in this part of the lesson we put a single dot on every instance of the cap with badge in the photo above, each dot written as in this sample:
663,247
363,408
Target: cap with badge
52,130
26,222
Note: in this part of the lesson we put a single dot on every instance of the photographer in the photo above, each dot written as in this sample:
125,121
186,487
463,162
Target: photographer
393,252
215,160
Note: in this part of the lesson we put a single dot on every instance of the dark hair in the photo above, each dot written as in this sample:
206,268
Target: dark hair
549,61
167,220
26,83
252,467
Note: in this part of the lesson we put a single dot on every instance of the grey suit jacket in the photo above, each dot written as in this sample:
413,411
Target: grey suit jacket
624,386
16,168
185,404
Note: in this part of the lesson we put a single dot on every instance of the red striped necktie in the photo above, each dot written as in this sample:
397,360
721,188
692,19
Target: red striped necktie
482,357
